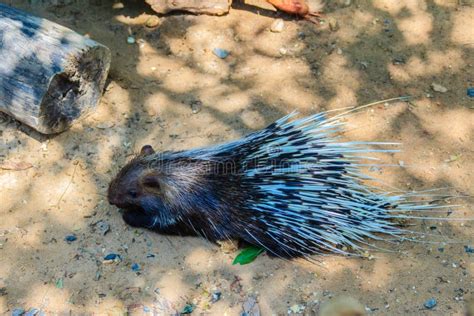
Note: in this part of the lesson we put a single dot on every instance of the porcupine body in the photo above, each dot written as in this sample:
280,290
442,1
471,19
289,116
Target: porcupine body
290,188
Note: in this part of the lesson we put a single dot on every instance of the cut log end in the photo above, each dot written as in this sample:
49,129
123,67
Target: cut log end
75,92
212,7
50,76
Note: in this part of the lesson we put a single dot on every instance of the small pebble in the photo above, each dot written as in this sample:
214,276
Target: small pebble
113,257
346,3
103,227
469,249
131,40
297,309
152,21
32,312
196,106
18,312
135,267
118,5
105,125
221,53
188,309
70,238
216,296
250,306
141,42
398,61
333,24
438,88
277,26
431,303
470,92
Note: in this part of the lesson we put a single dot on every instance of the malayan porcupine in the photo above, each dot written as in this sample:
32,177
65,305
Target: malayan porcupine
290,188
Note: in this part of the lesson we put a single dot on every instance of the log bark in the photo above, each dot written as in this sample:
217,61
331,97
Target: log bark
50,76
212,7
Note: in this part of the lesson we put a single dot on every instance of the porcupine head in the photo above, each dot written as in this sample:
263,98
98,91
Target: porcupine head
168,194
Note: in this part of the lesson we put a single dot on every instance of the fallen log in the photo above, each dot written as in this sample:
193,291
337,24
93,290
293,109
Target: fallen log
212,7
50,76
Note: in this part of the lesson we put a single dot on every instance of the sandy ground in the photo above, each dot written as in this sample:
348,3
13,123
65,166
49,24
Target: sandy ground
379,50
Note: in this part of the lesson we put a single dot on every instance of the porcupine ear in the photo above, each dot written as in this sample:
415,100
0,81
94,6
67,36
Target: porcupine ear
146,150
151,180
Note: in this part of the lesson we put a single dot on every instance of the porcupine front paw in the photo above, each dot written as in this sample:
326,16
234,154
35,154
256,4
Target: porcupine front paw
140,219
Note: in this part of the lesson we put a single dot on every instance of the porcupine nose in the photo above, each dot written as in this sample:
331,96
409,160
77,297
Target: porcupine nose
111,197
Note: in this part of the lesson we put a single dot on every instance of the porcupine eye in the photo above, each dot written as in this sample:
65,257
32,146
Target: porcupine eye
133,194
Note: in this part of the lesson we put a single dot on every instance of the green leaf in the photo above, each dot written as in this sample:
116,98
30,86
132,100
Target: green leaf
248,255
59,283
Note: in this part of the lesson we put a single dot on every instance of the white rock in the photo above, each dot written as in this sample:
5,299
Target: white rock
439,88
118,5
277,26
283,51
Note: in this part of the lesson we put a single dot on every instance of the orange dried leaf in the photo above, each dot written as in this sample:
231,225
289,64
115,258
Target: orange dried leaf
16,166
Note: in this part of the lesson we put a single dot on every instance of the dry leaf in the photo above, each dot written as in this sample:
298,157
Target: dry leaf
11,165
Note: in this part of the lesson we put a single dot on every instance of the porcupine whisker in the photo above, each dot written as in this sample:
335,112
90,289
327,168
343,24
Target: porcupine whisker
155,220
193,228
284,246
212,224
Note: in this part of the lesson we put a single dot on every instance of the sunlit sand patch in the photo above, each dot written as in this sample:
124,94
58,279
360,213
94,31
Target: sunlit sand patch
201,260
416,25
361,22
439,125
269,79
153,67
392,7
105,153
159,103
447,3
368,124
173,287
274,45
417,28
463,28
380,275
435,63
116,102
9,180
186,79
343,80
225,99
46,296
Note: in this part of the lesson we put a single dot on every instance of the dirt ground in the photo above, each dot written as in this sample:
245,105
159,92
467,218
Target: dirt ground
374,50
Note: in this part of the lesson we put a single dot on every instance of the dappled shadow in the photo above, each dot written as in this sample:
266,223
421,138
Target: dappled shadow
378,51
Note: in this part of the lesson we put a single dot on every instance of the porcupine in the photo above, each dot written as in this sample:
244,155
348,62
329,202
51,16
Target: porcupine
291,188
